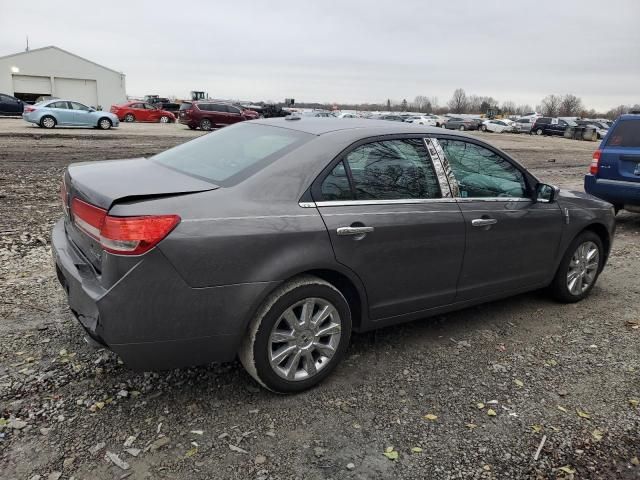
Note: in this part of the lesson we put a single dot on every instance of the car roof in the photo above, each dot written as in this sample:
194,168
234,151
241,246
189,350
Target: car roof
630,116
366,127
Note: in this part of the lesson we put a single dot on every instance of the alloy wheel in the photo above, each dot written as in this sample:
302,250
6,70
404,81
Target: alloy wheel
583,268
304,339
105,124
164,119
129,117
48,122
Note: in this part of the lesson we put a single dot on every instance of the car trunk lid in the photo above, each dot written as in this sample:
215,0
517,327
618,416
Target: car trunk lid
103,184
620,156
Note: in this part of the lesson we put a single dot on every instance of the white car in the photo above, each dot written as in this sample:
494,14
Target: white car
422,120
346,115
497,126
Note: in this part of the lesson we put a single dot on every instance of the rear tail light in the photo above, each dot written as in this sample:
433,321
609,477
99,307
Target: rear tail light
122,235
28,109
595,162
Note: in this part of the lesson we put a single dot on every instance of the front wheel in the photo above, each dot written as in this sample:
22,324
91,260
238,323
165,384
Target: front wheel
104,124
462,129
539,131
579,268
164,119
298,336
129,118
483,128
205,124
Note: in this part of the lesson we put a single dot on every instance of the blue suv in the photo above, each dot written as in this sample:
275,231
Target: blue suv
614,174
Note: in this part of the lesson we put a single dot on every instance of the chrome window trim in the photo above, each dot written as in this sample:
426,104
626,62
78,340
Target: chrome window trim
406,201
494,199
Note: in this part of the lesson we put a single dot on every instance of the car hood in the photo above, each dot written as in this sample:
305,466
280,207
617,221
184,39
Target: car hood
104,183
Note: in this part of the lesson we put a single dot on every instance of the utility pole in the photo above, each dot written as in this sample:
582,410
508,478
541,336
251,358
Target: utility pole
27,49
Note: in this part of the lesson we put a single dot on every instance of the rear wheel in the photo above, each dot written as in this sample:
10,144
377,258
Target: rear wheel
579,268
129,118
164,119
298,336
483,128
539,131
205,124
48,121
104,124
462,129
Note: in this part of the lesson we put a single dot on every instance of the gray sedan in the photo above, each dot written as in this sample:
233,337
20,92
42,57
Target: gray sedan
273,240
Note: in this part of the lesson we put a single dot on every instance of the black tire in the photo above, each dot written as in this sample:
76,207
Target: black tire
104,123
539,131
129,118
483,128
191,127
164,119
205,124
462,128
255,348
48,122
559,285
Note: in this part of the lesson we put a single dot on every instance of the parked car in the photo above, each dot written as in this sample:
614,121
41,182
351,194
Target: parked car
136,111
318,114
393,118
273,241
10,105
551,126
614,174
496,126
421,120
457,123
523,125
345,115
601,128
162,103
440,121
208,115
65,113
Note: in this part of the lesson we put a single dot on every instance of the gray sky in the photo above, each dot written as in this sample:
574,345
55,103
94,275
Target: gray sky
348,50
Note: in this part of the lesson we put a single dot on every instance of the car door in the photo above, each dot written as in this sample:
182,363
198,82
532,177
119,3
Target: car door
391,220
152,114
511,240
234,114
139,112
61,112
82,114
10,105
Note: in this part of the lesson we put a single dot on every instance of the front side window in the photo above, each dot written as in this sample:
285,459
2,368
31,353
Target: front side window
386,170
216,107
233,110
149,107
78,106
481,173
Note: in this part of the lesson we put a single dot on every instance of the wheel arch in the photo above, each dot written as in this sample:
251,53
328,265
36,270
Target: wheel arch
104,117
602,232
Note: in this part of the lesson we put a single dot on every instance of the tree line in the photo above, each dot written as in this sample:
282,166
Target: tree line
554,105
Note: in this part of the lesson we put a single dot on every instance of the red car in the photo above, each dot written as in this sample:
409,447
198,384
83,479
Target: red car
208,114
137,111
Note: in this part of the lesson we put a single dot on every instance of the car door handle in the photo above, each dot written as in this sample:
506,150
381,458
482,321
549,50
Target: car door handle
483,222
343,231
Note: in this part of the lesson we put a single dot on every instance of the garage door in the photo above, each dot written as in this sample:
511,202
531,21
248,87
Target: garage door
83,91
31,85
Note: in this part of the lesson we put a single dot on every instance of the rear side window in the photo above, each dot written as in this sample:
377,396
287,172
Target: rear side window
387,170
216,107
543,121
625,134
58,105
232,154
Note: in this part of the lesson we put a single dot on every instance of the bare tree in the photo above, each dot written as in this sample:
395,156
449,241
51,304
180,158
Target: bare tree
550,105
524,109
508,107
570,106
459,102
404,105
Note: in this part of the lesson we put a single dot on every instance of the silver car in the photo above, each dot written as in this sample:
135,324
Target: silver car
273,240
68,113
523,125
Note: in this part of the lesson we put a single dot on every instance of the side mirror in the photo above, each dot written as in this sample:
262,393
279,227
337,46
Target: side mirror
546,193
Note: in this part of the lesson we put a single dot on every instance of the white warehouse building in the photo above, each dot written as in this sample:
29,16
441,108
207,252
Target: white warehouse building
56,72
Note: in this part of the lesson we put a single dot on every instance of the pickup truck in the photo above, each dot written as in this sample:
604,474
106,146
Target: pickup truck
162,103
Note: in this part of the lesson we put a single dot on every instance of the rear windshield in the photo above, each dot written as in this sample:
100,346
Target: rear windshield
233,153
185,106
625,134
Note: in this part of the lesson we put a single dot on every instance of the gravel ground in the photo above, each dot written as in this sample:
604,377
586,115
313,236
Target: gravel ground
470,395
